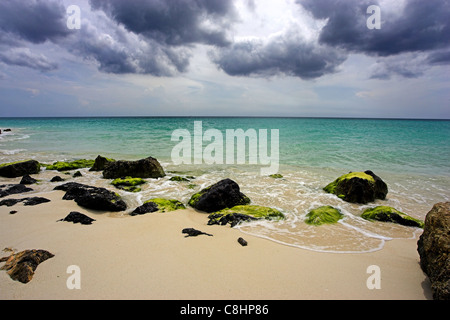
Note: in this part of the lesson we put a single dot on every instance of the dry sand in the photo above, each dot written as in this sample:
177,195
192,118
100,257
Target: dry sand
147,257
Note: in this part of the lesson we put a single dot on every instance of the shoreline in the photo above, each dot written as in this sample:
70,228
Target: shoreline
147,257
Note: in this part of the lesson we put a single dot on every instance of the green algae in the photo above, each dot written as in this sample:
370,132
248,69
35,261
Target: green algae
255,211
323,215
167,205
389,214
276,176
69,165
331,187
128,183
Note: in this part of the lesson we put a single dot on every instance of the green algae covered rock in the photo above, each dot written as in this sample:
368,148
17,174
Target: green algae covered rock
70,165
243,213
166,205
128,183
19,168
276,176
223,194
389,214
358,187
323,215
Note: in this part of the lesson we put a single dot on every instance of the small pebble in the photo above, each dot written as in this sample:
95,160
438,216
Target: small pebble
242,242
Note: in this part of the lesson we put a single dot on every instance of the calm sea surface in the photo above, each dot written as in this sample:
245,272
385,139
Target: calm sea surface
411,156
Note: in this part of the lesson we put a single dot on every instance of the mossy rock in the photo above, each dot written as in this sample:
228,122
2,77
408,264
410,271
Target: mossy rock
179,178
389,214
69,165
128,183
166,205
258,212
358,187
19,168
323,215
276,176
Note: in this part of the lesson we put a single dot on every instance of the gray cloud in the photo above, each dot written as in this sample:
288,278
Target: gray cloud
23,57
287,54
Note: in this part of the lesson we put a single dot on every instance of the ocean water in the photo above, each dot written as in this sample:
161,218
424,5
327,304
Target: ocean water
411,156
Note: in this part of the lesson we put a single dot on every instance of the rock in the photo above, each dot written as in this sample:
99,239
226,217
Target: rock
145,208
166,205
92,197
77,217
100,163
276,176
323,215
70,165
13,212
144,168
389,214
179,178
20,168
191,232
128,183
434,249
7,130
22,265
358,187
26,179
6,190
56,179
77,174
242,242
224,194
33,201
243,213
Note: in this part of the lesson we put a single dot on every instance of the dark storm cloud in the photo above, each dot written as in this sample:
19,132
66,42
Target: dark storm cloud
32,20
422,26
286,54
174,22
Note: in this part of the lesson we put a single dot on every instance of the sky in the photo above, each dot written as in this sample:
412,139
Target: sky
299,58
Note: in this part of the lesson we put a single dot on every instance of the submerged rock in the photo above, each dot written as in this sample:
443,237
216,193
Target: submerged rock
144,168
358,187
434,249
19,168
100,163
323,215
77,217
389,214
92,197
223,194
56,179
22,265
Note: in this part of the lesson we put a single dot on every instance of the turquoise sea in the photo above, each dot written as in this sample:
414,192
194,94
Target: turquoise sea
411,156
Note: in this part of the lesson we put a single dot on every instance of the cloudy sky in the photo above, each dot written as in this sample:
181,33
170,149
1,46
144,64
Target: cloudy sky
304,58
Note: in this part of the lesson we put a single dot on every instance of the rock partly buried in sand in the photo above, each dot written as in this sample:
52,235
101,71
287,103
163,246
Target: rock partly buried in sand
223,194
19,168
323,215
144,168
26,179
6,190
22,265
358,187
389,214
242,242
32,201
434,249
92,197
145,208
100,163
77,217
191,232
243,213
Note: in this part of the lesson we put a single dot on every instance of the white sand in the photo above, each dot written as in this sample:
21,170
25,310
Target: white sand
147,257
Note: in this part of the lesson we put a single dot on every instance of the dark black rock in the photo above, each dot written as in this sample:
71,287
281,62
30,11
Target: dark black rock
56,179
191,232
92,197
77,217
223,194
9,202
6,190
19,169
242,242
33,201
232,218
145,208
100,163
26,179
77,174
13,212
144,168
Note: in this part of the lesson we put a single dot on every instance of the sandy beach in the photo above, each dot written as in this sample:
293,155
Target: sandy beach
147,257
